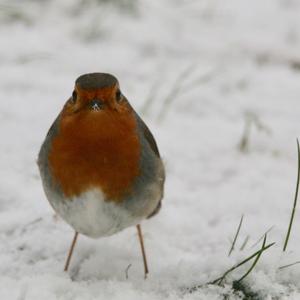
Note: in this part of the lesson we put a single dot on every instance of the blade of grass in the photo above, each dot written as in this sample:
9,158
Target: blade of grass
236,236
244,142
220,279
245,243
295,202
261,238
126,271
255,261
289,265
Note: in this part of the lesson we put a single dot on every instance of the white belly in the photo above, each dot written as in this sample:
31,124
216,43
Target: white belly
90,215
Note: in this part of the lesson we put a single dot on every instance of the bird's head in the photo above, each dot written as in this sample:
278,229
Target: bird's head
96,93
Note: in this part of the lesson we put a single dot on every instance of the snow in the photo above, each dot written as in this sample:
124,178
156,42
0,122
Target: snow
195,70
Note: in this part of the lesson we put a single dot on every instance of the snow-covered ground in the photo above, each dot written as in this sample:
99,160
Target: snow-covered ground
196,71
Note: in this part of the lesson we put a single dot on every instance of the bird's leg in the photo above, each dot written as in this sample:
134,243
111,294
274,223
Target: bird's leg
143,249
71,251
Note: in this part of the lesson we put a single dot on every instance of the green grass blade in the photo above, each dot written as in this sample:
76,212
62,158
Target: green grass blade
220,279
289,265
245,243
262,237
255,261
295,203
236,236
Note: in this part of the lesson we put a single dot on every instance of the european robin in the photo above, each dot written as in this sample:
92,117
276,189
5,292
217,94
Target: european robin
100,165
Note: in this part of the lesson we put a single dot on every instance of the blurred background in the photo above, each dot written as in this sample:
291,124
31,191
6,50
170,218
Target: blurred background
217,81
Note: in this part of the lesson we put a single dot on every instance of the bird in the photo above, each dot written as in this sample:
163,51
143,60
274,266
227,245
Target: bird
99,163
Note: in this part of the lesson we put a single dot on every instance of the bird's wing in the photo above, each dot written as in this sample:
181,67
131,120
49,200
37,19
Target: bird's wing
148,136
152,143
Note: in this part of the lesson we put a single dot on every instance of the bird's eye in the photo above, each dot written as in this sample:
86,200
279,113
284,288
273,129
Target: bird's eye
74,96
118,95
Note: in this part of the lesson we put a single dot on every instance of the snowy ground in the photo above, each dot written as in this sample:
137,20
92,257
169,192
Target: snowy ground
217,61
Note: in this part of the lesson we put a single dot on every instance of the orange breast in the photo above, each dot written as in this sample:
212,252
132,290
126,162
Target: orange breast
96,149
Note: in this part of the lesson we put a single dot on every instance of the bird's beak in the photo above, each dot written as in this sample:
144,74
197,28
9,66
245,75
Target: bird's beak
96,104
